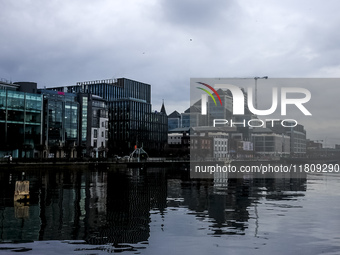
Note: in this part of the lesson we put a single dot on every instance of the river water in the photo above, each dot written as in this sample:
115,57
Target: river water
82,210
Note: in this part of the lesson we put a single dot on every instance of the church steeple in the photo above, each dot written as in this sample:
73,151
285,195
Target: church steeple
163,108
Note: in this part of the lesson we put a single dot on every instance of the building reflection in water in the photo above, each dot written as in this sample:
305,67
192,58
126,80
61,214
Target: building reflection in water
226,204
113,206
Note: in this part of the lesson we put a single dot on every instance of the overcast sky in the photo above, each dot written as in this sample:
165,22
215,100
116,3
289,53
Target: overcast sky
166,42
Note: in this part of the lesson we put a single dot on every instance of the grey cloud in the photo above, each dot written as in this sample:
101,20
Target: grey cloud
59,43
196,13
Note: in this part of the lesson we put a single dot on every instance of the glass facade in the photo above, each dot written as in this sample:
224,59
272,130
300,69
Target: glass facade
112,89
20,123
174,123
81,120
60,123
131,121
134,124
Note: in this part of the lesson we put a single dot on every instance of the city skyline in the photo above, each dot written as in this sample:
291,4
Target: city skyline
92,119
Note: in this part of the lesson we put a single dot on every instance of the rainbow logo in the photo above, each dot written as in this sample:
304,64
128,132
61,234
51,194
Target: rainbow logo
208,92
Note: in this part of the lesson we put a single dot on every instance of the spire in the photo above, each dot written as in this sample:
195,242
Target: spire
163,108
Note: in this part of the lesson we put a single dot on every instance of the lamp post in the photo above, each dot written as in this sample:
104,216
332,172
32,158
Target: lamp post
256,78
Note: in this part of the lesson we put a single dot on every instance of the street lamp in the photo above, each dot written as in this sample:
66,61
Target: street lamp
256,78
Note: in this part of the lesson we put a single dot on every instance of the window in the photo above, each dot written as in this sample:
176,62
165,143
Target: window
95,143
95,133
102,133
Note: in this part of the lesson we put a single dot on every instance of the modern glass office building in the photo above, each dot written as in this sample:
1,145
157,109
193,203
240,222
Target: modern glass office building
60,125
131,119
20,122
112,89
133,124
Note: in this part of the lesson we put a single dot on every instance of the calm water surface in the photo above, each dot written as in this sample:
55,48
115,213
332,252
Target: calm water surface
161,211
